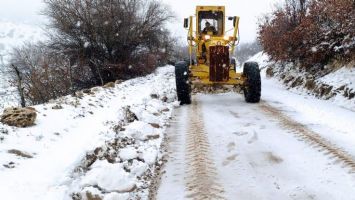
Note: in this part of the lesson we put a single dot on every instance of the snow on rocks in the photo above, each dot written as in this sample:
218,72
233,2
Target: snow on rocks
101,176
335,83
128,153
103,143
142,130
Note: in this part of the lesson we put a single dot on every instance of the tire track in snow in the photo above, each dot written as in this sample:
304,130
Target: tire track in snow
311,137
201,180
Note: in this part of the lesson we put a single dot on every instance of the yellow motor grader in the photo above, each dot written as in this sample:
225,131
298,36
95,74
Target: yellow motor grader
210,62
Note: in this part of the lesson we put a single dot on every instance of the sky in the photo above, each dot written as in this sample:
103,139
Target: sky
27,11
248,10
23,11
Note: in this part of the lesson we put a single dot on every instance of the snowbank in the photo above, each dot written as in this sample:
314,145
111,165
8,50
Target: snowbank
104,143
336,85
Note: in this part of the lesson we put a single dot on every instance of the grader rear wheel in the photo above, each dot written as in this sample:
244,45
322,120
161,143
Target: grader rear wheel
252,86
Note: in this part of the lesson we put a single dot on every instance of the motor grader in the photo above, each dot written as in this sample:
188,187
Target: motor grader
210,61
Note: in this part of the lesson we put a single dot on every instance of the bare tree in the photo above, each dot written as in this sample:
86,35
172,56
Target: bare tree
20,88
40,74
108,35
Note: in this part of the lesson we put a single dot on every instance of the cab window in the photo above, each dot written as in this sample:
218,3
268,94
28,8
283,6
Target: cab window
212,18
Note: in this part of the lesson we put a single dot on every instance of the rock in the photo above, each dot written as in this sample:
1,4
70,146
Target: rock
19,117
79,94
57,107
154,96
95,89
109,85
129,115
325,89
90,196
351,94
10,165
164,99
154,125
270,72
310,84
87,91
341,88
288,79
165,110
119,81
152,137
4,131
297,82
20,153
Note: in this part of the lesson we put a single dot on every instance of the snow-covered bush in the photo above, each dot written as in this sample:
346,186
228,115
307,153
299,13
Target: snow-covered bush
312,32
91,43
114,38
41,74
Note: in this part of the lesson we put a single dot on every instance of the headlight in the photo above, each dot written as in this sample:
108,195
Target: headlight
207,37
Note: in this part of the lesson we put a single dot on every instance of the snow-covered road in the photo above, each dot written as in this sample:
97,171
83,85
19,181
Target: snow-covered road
289,146
286,147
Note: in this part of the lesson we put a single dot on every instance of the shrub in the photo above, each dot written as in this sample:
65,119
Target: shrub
92,42
313,38
41,74
110,36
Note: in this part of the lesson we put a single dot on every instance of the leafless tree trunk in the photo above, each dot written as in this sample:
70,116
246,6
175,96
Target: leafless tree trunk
19,85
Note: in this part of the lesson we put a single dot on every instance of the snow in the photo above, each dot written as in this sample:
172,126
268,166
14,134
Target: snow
314,49
86,44
61,139
149,155
262,59
101,175
116,196
342,76
128,153
256,156
141,130
252,154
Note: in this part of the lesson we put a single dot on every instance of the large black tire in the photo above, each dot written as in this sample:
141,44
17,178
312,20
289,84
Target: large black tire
252,86
183,88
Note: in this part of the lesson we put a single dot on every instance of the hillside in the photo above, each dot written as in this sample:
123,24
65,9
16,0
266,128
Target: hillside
336,83
105,142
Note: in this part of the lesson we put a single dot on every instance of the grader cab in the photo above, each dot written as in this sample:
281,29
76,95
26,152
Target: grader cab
210,61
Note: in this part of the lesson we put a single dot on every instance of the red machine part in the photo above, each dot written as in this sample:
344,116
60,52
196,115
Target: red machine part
219,63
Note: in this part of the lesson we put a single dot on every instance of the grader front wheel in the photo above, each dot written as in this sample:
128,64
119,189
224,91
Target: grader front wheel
183,88
252,85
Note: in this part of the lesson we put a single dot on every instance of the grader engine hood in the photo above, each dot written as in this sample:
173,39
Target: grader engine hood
219,63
